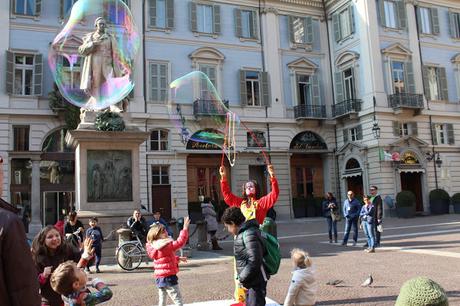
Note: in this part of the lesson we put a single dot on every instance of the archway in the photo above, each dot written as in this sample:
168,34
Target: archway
410,171
354,177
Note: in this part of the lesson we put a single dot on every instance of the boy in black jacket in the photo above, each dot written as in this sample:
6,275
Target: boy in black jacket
248,250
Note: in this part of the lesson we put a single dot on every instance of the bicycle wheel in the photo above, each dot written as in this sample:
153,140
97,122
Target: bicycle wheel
129,256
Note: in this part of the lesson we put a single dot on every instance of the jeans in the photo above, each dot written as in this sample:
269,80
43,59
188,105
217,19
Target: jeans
331,225
256,295
174,294
377,234
98,253
348,223
369,231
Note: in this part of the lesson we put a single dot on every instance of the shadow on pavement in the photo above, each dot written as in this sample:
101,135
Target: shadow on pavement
367,300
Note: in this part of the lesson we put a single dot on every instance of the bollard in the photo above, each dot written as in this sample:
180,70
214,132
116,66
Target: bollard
202,244
124,235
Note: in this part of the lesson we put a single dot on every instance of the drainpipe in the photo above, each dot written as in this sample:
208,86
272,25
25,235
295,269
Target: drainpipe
144,72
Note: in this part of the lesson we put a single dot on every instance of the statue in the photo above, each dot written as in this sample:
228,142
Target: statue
99,49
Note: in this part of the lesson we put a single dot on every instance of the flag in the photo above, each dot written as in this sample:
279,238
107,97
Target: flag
384,155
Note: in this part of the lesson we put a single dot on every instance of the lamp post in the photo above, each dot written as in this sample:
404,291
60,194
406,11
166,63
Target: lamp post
375,126
437,161
184,132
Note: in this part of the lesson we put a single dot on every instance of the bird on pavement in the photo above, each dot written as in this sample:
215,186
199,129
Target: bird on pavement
368,281
334,282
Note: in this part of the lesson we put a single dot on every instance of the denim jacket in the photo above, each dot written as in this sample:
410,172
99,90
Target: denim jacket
351,209
367,213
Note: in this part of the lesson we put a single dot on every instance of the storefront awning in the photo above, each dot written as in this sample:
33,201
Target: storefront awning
411,170
352,174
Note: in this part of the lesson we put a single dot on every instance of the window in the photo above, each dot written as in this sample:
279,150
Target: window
304,90
114,12
71,72
259,140
454,22
161,14
205,18
348,83
443,133
390,14
435,81
24,74
398,77
160,175
159,140
301,30
21,138
158,82
393,14
254,89
246,24
343,23
207,93
402,129
425,20
27,7
353,134
66,6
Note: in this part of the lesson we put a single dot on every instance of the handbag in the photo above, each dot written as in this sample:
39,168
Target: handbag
335,215
380,228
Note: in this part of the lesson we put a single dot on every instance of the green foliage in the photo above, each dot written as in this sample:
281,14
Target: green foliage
405,198
439,194
108,121
456,198
70,112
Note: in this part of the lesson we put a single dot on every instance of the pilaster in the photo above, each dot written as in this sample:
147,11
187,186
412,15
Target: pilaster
35,222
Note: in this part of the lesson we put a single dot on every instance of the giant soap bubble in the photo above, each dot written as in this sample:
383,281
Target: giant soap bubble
92,56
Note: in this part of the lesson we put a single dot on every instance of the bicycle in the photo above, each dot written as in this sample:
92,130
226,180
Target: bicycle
130,254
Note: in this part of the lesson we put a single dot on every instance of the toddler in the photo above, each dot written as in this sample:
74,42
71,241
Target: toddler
95,233
302,290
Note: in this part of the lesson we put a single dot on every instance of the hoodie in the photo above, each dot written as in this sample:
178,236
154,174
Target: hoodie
163,253
302,290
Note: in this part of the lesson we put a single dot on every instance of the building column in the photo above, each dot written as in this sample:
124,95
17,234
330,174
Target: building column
414,46
35,223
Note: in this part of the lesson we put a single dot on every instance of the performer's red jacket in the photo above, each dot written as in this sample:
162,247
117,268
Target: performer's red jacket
261,206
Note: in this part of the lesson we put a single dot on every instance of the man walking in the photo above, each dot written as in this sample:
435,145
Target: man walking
377,202
351,210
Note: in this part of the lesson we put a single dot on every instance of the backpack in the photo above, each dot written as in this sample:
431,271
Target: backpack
272,252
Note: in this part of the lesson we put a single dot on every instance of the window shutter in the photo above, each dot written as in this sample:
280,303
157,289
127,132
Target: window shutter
243,92
383,22
291,28
359,132
170,14
402,18
61,9
336,25
433,133
396,128
410,78
153,12
413,129
216,19
238,31
38,7
38,74
9,72
426,83
309,30
265,89
193,21
338,87
450,133
452,24
315,89
443,84
345,136
419,19
154,90
351,17
163,85
255,22
435,20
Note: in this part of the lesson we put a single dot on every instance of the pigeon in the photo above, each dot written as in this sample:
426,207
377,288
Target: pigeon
334,282
368,281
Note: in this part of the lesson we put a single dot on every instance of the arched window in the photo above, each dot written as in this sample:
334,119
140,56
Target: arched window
55,142
352,164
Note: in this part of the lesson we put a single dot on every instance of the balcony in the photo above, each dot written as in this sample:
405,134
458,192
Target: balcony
309,112
203,108
346,107
406,100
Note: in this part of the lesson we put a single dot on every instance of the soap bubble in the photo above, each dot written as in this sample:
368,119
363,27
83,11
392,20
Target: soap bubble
92,56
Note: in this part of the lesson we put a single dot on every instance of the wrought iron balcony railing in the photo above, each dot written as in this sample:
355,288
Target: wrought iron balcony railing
203,107
346,107
406,100
310,111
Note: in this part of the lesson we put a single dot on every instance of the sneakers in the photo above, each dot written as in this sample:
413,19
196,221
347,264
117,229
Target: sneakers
330,240
97,270
370,250
344,243
354,243
335,240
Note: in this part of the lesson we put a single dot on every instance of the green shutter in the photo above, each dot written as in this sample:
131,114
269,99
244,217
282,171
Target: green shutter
402,17
410,78
193,21
9,72
336,25
450,133
351,17
163,79
315,90
383,22
216,19
426,83
435,20
413,128
309,30
154,82
238,30
38,74
291,29
452,23
339,94
170,14
443,84
255,23
38,7
153,13
243,92
345,135
396,128
419,19
359,132
265,89
433,134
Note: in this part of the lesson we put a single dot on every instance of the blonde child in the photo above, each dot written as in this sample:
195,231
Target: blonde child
162,249
302,290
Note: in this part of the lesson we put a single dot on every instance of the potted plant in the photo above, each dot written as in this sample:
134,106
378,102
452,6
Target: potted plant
405,204
298,206
439,201
456,202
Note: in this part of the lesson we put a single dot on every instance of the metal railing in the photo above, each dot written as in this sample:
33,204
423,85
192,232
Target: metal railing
346,107
405,100
203,107
310,111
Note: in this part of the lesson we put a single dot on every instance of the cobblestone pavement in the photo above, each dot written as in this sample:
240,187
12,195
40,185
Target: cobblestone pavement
428,246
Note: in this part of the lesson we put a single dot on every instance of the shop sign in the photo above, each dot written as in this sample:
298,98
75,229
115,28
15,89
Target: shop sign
307,141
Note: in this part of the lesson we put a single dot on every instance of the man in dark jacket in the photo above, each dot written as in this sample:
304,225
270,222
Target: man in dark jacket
138,225
18,276
351,210
376,200
248,250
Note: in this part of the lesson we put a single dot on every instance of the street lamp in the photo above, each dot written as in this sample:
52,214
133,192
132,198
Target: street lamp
434,156
184,132
376,130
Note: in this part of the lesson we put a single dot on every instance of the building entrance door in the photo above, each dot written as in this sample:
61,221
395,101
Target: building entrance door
355,184
412,181
258,174
161,200
56,205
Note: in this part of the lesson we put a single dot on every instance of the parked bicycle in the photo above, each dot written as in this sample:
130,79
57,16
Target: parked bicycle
130,254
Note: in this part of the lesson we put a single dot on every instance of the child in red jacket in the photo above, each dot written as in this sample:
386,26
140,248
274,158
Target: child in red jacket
162,249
